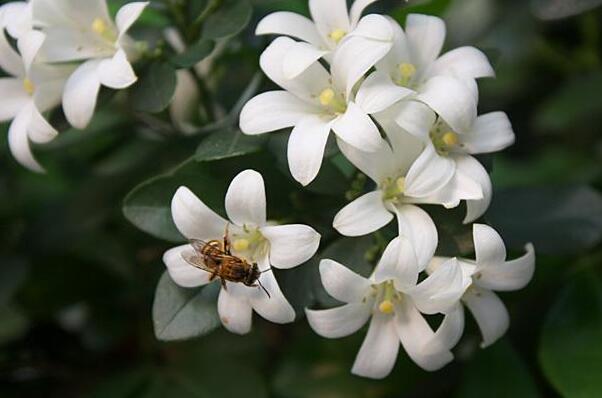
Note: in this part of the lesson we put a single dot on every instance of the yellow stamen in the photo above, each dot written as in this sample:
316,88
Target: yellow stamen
327,97
450,138
99,26
401,184
386,307
407,70
28,86
337,35
240,245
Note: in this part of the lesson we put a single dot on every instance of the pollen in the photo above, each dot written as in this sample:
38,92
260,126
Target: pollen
401,184
337,35
99,26
327,97
386,307
450,138
407,70
240,245
28,86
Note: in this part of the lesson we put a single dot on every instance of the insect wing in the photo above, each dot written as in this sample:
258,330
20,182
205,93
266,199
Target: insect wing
197,261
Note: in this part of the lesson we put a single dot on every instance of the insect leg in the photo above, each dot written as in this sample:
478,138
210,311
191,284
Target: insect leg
264,289
227,239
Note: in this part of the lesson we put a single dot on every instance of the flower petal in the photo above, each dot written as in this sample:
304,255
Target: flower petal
271,111
180,271
398,54
491,132
275,307
184,108
14,98
18,140
29,45
234,310
289,24
342,283
417,338
489,246
442,290
429,173
340,321
16,17
357,8
364,215
511,275
10,60
300,57
425,35
450,331
291,245
378,92
116,72
465,62
329,16
398,263
245,199
378,352
193,218
370,42
460,187
128,14
81,92
306,146
489,312
473,169
453,99
418,227
377,165
416,118
40,131
357,129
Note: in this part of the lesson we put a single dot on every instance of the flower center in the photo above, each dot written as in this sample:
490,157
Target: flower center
386,297
393,189
250,243
407,72
337,35
444,138
28,86
100,27
335,103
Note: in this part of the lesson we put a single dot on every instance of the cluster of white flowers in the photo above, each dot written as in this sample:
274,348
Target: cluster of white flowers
65,51
406,116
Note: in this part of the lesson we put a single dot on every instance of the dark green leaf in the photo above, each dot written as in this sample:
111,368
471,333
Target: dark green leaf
228,144
570,351
556,9
431,7
556,219
230,19
194,54
180,313
12,274
155,89
14,323
497,372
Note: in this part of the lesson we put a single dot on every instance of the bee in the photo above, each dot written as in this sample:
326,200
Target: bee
216,258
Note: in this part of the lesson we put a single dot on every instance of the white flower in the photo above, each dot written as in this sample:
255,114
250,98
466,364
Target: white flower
393,300
488,273
252,238
445,83
33,89
401,182
84,31
331,23
315,101
16,18
447,151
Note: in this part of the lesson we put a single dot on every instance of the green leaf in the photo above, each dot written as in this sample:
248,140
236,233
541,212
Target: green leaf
12,274
228,144
556,219
230,19
431,7
14,323
497,372
557,9
194,54
155,89
570,351
180,313
148,206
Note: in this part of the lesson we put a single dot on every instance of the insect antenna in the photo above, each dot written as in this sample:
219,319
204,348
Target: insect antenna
264,289
267,270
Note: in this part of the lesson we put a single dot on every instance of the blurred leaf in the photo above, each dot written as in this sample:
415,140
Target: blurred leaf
148,206
14,323
230,19
194,54
430,7
556,9
180,313
13,272
557,220
155,89
497,372
574,103
227,144
570,351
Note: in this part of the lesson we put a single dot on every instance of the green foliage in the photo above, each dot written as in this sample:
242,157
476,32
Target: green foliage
156,88
180,313
227,144
194,54
231,17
